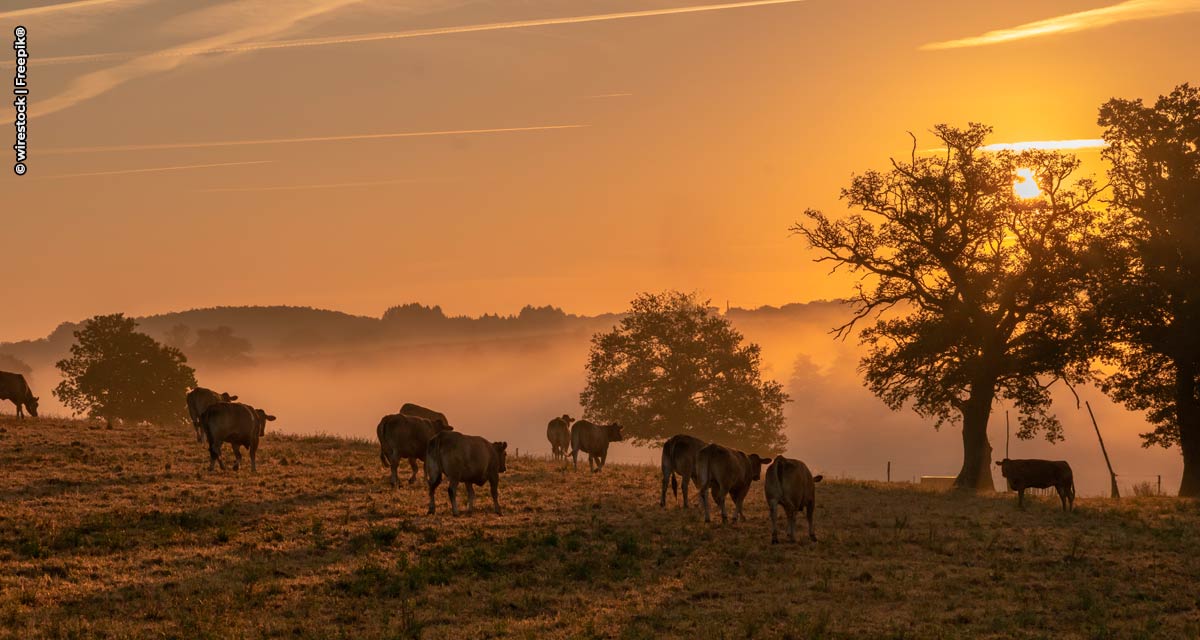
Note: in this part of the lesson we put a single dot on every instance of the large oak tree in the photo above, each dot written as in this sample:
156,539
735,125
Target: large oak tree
973,291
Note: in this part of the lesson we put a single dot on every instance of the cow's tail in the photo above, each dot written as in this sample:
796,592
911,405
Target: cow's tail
777,468
667,468
433,457
383,456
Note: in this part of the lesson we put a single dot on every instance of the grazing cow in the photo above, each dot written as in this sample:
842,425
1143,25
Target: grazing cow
198,400
558,432
241,425
721,470
679,457
410,409
791,485
469,459
14,388
593,440
406,437
1039,474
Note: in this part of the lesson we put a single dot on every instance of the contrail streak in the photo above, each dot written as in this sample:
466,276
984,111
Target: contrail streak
148,170
50,8
420,33
1082,143
296,187
1079,21
360,136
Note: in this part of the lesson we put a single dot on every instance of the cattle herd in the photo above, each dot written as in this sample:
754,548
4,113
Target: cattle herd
420,434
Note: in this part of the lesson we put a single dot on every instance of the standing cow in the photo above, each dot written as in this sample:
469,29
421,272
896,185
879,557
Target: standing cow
1039,474
593,439
679,456
200,399
558,432
241,425
724,471
791,485
14,388
406,437
469,459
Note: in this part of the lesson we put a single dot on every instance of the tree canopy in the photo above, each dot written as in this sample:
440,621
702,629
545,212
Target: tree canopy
117,372
974,292
674,366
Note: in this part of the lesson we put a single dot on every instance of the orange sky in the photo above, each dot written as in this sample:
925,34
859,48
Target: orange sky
705,134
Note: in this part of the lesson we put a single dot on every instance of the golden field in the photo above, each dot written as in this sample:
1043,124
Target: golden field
123,532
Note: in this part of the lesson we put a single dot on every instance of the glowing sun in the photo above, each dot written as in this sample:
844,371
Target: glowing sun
1025,185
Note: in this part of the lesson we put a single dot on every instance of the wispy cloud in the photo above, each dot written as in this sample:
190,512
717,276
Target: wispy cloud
610,95
53,8
1080,21
264,141
1048,145
116,172
299,187
417,33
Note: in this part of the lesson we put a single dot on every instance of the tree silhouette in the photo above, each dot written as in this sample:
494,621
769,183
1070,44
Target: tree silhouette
672,366
1148,293
116,372
220,347
973,290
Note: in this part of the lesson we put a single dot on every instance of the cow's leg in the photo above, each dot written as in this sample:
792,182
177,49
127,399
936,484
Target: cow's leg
704,502
666,480
453,491
253,452
412,462
435,478
772,505
719,496
808,514
470,497
495,488
687,476
604,458
20,415
214,456
394,463
574,457
1021,498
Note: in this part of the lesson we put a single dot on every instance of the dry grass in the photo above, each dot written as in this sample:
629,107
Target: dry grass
122,533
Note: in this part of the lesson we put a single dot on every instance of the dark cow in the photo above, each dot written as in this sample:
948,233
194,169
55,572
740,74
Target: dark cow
241,425
791,485
721,471
410,409
14,388
593,440
679,456
1040,474
558,432
200,399
469,459
406,437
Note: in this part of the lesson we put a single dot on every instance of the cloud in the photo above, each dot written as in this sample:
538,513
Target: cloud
52,8
419,33
262,141
148,170
1080,21
1048,145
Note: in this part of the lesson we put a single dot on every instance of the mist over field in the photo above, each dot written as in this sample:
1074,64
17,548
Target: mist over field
504,378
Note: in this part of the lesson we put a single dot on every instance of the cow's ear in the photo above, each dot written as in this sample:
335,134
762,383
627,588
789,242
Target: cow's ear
270,418
501,446
232,398
818,478
999,463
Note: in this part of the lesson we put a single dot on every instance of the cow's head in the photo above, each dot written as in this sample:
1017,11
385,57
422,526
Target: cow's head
228,398
614,432
1003,464
262,418
501,454
31,405
567,419
441,425
756,464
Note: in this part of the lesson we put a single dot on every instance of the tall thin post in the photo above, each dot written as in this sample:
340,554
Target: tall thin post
1160,484
1007,433
1111,474
889,471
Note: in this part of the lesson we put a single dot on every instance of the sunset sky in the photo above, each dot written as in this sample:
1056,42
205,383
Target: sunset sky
486,155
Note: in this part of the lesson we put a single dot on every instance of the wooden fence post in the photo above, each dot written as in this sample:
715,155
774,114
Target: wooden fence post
1115,494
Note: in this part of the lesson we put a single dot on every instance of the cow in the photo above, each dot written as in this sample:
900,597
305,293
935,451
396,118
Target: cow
1040,474
558,432
593,439
721,471
791,485
406,437
241,425
462,458
14,388
198,400
410,409
679,457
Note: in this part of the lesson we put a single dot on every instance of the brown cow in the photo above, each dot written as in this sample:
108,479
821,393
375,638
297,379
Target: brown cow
241,425
558,432
679,456
198,400
469,459
791,485
403,436
593,439
1039,474
722,471
410,409
14,388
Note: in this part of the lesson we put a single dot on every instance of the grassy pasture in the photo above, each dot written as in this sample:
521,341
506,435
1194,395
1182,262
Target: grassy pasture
123,533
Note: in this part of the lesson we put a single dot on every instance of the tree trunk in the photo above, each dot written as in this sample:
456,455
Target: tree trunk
976,473
1187,412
